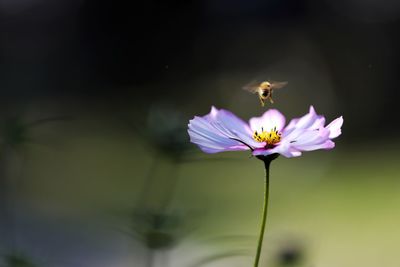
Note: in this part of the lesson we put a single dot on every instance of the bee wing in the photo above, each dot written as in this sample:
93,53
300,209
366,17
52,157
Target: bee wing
251,87
278,85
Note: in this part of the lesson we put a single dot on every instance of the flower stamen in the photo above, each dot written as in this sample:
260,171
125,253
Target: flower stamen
270,137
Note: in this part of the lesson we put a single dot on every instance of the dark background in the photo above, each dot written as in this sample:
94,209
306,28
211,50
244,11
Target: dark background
128,54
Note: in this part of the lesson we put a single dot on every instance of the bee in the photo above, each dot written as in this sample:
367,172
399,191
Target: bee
264,90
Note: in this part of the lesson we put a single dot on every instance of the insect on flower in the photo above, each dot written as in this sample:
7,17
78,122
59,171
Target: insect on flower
264,90
221,130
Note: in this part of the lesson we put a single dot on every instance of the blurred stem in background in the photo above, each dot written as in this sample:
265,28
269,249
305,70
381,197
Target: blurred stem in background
154,223
15,136
7,201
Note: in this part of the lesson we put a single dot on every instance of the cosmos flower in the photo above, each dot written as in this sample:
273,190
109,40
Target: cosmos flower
221,130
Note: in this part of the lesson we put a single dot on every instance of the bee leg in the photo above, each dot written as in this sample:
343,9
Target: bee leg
262,102
270,97
271,100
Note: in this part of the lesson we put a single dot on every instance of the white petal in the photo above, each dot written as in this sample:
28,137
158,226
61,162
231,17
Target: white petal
325,145
310,137
310,121
270,119
220,130
204,135
233,126
307,120
335,127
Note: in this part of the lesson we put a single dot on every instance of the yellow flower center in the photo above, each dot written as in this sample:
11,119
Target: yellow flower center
271,138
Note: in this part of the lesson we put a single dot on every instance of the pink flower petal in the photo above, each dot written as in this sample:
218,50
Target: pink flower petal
311,137
232,126
328,144
270,119
220,130
335,127
291,125
208,139
307,120
319,122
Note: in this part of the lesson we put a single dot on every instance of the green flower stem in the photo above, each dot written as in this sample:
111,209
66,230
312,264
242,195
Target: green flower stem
267,162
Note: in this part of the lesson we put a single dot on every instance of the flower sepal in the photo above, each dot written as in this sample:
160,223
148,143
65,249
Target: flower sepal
268,158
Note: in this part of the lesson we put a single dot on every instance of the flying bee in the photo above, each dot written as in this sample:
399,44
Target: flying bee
264,90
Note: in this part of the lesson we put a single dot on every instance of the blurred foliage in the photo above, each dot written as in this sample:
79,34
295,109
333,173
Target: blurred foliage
158,230
290,256
18,260
165,131
14,132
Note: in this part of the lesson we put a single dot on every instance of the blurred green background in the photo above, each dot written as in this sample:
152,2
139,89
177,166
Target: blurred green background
96,168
